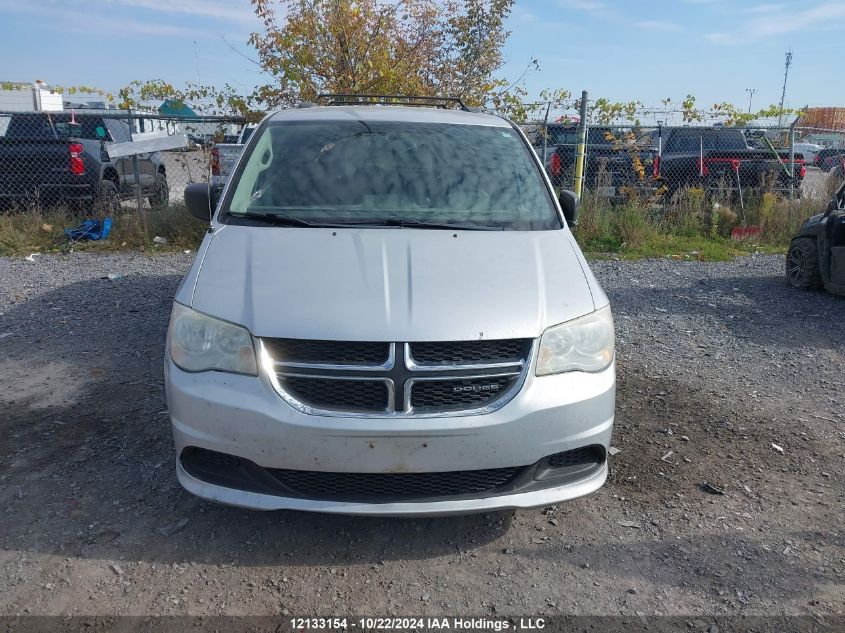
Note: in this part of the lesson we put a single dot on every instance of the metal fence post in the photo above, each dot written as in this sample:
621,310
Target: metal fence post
137,175
546,132
581,151
792,171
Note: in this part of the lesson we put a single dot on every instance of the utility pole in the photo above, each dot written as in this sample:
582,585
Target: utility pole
783,94
751,92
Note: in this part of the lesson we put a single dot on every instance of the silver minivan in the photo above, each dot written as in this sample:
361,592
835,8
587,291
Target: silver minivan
389,315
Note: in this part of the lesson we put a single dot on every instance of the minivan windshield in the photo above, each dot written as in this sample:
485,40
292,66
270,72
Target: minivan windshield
389,173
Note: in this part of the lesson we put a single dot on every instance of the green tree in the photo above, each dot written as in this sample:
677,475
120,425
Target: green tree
421,47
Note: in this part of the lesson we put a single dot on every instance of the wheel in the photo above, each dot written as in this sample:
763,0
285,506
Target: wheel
161,197
802,264
108,198
106,203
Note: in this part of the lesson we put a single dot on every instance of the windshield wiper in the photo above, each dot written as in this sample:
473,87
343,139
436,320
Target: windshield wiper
282,219
422,224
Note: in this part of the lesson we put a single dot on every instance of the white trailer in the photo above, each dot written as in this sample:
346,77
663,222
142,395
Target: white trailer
29,97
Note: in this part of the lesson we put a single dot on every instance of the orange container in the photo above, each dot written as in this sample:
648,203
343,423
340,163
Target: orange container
825,118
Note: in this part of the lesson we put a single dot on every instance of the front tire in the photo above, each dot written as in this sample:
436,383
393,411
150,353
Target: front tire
108,198
802,264
161,197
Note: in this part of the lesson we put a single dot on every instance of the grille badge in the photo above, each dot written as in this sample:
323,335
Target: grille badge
475,388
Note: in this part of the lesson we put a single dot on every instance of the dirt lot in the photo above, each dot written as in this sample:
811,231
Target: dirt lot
717,363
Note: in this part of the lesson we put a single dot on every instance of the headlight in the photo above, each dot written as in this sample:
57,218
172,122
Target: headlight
584,344
198,342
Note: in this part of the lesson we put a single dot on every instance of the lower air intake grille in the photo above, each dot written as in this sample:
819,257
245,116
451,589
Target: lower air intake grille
238,473
385,487
577,457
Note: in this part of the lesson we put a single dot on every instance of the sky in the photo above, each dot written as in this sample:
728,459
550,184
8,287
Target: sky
622,50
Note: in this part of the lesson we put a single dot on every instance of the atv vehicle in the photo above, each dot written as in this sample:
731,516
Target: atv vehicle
816,256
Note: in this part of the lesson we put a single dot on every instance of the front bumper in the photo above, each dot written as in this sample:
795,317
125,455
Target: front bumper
257,501
243,416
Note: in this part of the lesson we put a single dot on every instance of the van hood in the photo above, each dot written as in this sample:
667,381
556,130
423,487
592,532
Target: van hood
392,284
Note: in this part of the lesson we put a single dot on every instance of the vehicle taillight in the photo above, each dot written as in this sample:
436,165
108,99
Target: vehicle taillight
215,161
655,168
802,172
77,166
555,166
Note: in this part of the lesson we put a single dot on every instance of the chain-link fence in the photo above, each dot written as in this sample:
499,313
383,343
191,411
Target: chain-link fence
824,155
95,162
89,160
726,163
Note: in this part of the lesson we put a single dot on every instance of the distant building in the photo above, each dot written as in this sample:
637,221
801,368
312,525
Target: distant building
16,96
824,118
90,105
190,122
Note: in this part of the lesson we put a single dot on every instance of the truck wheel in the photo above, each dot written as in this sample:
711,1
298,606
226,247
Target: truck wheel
802,264
161,197
108,198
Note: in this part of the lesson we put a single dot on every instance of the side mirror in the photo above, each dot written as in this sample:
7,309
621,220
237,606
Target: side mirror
569,203
201,200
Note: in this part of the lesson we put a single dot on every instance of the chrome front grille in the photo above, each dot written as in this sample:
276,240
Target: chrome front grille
396,379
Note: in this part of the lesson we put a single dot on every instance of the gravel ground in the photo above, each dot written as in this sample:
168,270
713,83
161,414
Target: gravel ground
717,362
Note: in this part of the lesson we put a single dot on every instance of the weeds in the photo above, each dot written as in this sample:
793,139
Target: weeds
34,231
691,225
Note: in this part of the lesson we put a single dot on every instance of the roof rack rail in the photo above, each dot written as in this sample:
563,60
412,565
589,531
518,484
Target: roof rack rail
403,100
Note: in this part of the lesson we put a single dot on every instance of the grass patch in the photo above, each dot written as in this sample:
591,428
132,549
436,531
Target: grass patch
43,231
681,247
690,226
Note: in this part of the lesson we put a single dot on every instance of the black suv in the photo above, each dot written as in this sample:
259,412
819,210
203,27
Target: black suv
63,158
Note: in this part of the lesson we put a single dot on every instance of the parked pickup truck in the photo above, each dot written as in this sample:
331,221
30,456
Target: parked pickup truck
614,161
721,159
62,158
829,158
225,155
